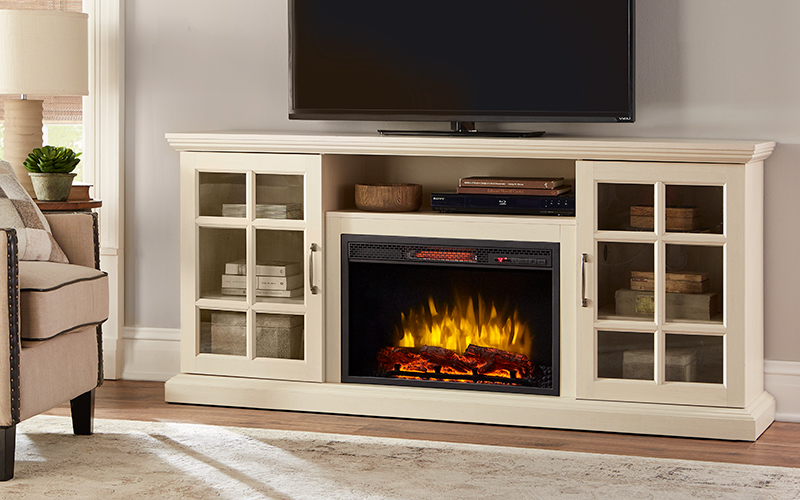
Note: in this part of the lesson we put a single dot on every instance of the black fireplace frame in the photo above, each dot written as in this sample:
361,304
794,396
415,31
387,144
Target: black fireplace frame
508,255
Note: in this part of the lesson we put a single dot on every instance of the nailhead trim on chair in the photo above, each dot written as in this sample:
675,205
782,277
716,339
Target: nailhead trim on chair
100,375
96,230
13,320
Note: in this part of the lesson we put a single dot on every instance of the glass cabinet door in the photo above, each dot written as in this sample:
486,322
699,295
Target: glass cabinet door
653,278
256,305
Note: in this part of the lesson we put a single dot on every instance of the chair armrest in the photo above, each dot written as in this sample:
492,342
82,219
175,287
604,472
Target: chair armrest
9,329
77,235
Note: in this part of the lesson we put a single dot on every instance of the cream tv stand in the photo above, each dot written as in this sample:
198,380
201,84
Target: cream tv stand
658,367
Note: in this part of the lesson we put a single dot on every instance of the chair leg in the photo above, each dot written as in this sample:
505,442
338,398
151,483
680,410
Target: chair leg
82,409
7,441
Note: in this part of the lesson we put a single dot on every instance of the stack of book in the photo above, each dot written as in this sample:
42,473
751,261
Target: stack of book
80,192
273,279
273,211
688,296
522,186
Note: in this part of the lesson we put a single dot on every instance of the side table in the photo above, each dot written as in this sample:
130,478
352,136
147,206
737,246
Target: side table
68,206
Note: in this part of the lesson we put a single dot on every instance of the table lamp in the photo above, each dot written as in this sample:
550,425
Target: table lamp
42,53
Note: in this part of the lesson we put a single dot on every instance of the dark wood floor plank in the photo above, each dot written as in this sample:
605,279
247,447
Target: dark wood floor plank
132,400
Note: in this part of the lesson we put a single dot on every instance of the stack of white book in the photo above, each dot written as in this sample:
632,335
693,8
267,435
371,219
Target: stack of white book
274,211
273,279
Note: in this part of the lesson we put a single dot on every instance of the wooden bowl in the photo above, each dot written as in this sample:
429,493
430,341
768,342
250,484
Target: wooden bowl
389,197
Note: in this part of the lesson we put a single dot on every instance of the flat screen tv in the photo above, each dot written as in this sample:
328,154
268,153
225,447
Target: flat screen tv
462,61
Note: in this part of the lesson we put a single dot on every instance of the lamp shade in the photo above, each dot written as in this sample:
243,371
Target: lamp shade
44,52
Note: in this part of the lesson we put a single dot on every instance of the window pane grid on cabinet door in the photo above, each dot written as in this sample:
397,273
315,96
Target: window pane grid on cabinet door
222,333
625,207
695,358
279,196
621,293
221,194
694,283
279,272
671,341
221,257
694,209
661,358
253,217
625,355
280,336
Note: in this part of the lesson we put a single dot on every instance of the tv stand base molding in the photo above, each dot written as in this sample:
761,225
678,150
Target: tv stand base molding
275,315
486,408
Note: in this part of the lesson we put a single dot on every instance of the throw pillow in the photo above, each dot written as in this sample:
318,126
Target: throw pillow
18,211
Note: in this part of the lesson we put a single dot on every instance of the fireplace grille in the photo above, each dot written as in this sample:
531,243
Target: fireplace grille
367,251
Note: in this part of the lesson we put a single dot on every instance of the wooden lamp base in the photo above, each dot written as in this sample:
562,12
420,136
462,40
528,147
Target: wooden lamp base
23,134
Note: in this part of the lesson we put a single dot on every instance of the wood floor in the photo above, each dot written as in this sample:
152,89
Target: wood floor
129,400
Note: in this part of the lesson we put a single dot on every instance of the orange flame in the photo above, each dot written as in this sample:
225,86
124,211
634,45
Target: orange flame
457,326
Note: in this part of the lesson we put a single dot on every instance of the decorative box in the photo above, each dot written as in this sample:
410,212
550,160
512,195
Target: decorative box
284,343
691,306
229,333
675,282
681,365
277,335
678,218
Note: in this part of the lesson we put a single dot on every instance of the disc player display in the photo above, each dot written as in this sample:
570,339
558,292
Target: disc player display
563,205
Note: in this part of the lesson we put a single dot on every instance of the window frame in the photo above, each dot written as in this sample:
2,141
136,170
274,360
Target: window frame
104,129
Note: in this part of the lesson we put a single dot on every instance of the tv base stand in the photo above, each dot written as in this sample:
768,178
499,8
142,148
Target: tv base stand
465,129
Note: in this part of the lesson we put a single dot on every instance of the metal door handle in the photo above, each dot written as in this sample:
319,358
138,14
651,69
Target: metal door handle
584,300
314,289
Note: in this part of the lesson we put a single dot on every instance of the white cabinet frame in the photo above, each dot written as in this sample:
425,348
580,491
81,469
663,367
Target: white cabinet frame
742,282
310,305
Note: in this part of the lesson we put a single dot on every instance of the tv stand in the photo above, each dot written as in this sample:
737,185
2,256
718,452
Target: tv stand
690,371
464,129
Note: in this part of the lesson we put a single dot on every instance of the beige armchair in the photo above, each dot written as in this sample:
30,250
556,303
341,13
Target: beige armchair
51,319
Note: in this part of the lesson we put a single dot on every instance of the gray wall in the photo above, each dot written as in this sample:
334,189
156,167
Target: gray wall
717,69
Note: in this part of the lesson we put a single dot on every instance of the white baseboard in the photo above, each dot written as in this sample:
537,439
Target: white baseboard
782,380
150,353
154,354
112,355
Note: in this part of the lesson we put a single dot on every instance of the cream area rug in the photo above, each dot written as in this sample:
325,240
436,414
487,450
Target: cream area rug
142,460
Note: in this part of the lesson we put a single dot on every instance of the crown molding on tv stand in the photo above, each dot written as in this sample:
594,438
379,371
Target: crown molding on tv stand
587,148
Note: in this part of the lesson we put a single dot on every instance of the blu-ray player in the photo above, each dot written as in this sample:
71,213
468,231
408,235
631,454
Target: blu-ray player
562,205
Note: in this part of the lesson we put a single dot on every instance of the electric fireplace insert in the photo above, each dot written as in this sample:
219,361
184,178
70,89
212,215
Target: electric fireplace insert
450,313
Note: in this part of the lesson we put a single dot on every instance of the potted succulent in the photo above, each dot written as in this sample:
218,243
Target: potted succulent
50,169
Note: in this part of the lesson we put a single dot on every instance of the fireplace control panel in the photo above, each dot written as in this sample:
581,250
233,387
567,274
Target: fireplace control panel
523,261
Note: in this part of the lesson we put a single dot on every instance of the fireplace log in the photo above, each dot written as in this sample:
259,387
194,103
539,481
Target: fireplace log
445,357
388,357
477,360
497,359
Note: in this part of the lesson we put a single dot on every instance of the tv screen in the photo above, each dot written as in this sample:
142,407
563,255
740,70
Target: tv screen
462,60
